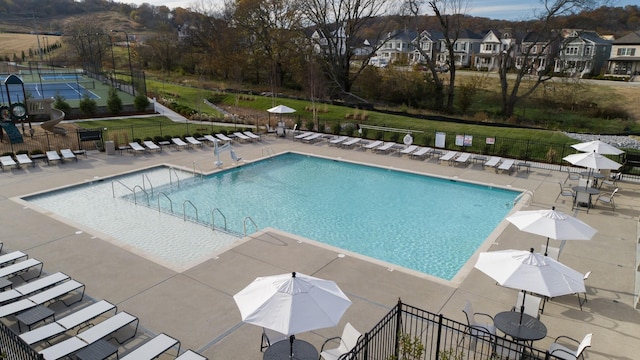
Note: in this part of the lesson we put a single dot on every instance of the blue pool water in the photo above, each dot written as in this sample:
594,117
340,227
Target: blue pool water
422,223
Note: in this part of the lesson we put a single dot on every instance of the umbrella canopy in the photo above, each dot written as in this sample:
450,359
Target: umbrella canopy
529,271
552,224
592,160
598,147
281,109
292,303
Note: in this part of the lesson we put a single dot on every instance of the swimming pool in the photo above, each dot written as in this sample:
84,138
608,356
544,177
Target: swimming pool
422,223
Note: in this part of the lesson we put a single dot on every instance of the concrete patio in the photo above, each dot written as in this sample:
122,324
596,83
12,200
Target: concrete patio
196,305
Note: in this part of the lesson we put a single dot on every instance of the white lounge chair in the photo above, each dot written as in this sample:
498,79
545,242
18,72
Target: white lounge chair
463,158
337,140
179,143
252,135
191,355
409,149
421,153
24,159
52,155
506,165
91,335
7,161
348,341
224,137
212,139
351,142
386,147
303,135
32,287
153,348
151,145
193,141
12,257
20,267
67,154
137,148
373,144
493,161
448,156
43,297
312,138
241,136
68,322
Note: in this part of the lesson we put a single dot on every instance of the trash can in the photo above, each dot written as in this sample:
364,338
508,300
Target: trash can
110,147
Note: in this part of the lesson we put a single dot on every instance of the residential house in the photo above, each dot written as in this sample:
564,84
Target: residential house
625,55
537,51
582,52
397,47
464,49
429,43
493,48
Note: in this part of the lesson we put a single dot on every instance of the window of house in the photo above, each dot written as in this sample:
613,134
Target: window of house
572,50
626,51
488,47
588,50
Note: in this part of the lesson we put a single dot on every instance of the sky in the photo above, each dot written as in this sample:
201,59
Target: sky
493,9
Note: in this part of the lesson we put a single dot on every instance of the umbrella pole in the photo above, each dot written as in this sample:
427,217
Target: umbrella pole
546,248
291,338
524,295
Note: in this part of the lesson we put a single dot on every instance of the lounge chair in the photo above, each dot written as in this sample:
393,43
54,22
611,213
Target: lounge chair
52,155
351,142
6,161
252,135
448,156
179,143
24,159
241,136
12,257
563,352
463,158
312,138
151,145
493,161
386,147
68,322
408,150
337,140
506,165
212,139
531,305
270,337
191,355
137,148
348,341
421,153
224,137
43,297
302,135
21,267
32,287
67,154
101,330
153,348
373,144
193,141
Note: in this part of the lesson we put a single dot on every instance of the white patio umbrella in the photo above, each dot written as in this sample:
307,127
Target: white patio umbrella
292,303
529,271
597,146
552,224
592,161
281,109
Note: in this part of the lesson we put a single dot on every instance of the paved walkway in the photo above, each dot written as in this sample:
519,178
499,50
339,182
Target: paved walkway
196,305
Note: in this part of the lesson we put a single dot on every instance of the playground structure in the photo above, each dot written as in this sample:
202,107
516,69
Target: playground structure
43,107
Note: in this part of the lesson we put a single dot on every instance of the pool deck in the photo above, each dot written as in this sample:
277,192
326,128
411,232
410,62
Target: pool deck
196,305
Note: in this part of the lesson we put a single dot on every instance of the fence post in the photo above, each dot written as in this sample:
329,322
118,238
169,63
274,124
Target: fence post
438,336
133,136
398,326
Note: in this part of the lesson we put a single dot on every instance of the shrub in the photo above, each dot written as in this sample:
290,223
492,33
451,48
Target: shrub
114,103
140,103
60,103
336,128
22,152
88,106
309,124
37,152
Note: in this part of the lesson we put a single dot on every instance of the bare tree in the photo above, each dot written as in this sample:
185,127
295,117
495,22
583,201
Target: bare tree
535,54
449,13
339,27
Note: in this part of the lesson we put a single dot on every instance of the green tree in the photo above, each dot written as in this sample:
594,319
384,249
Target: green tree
140,102
114,103
88,106
60,103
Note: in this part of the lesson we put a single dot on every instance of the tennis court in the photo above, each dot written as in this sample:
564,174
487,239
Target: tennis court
68,90
54,77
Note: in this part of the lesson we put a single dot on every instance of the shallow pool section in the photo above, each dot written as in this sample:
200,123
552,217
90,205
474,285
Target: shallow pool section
423,223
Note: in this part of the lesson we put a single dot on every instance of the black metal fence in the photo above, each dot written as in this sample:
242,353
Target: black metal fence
407,332
12,347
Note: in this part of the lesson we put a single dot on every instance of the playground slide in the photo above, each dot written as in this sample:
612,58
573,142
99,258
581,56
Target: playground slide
50,125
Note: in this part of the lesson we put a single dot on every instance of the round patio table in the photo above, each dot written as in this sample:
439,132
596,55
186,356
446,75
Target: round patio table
528,329
281,350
